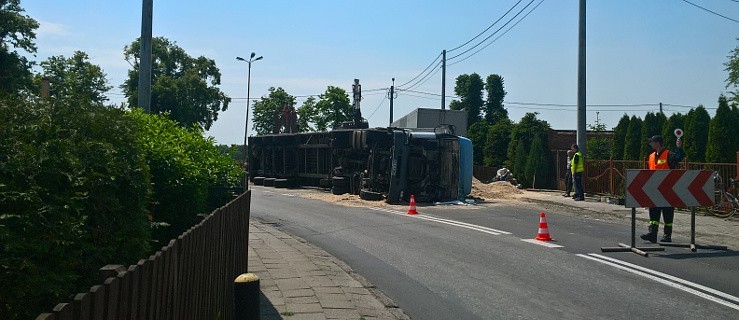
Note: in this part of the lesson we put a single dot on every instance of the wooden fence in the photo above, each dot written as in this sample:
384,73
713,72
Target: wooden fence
191,278
607,177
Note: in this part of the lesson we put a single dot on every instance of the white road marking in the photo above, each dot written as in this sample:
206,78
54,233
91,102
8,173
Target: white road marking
288,194
446,221
543,243
666,279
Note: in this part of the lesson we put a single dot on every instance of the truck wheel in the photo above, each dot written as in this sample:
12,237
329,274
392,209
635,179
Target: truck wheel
258,181
281,183
370,195
269,182
339,190
340,182
324,183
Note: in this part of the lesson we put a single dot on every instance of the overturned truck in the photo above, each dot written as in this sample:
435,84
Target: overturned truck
375,163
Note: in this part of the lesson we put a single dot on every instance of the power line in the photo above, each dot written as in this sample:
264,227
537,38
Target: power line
496,31
377,108
488,28
428,76
722,16
498,37
422,72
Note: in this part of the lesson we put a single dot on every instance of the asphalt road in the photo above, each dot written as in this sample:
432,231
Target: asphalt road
487,267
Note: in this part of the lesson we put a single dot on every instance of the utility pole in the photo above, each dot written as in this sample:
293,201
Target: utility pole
144,90
391,96
443,79
581,119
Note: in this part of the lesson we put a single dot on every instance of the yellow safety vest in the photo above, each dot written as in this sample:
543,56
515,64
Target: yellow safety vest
578,167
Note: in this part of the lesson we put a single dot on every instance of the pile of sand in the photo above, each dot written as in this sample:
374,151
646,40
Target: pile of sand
494,190
349,200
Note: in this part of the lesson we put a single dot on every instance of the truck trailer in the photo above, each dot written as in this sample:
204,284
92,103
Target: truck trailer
388,164
374,163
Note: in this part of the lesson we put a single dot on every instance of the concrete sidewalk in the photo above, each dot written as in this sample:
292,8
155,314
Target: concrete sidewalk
300,281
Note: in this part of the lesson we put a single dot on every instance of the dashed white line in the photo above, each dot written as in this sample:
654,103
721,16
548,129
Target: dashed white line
446,221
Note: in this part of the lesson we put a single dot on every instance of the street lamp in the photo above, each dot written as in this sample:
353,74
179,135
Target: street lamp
246,123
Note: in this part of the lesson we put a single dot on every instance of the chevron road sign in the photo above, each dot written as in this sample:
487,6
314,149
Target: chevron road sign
669,188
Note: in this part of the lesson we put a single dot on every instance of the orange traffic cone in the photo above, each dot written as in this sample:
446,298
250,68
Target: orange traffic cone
412,209
543,229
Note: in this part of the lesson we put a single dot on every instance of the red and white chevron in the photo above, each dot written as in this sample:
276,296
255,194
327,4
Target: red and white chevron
669,188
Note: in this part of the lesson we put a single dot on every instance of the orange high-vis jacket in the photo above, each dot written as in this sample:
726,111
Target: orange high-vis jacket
660,163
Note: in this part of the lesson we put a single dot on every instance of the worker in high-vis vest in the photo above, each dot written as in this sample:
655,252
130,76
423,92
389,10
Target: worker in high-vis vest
577,167
662,159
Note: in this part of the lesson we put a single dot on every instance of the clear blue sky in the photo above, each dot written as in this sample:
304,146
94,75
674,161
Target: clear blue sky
639,52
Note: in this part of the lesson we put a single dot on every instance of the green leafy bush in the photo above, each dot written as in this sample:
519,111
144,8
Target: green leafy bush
190,175
74,187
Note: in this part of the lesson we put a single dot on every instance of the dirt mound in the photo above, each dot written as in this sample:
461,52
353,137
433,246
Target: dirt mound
349,200
494,190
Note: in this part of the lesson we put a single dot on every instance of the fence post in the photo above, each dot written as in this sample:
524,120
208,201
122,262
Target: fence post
737,165
246,297
110,271
612,185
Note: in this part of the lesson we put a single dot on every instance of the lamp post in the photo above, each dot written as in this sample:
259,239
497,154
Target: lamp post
246,123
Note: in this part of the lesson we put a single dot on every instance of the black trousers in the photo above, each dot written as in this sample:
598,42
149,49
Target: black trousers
668,214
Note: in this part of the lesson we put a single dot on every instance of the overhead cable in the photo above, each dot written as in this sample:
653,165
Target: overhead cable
428,76
488,28
492,34
422,72
498,37
720,15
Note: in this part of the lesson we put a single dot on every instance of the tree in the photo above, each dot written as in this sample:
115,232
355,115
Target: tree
524,131
675,121
75,79
537,163
732,66
264,109
478,133
521,153
306,115
599,146
494,110
652,125
619,137
496,145
696,134
17,32
469,90
633,140
722,134
332,109
183,86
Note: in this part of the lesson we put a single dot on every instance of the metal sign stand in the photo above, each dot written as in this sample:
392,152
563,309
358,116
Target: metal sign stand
632,248
692,245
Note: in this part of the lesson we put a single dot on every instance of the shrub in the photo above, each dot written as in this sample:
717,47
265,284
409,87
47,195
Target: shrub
190,175
73,193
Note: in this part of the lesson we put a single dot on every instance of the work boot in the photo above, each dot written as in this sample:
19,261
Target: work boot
651,236
667,237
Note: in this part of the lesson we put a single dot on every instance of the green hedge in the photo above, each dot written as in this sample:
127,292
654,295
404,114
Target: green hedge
190,175
81,186
74,188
